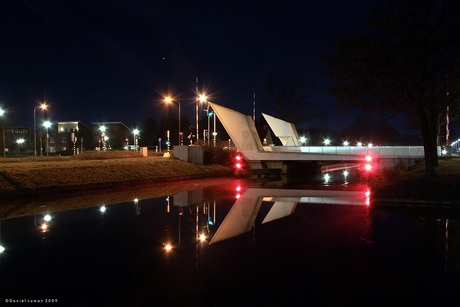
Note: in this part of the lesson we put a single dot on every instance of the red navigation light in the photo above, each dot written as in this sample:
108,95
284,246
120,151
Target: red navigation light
238,164
368,166
368,197
238,192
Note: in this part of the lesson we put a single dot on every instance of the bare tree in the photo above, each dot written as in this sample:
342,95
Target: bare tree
287,95
406,62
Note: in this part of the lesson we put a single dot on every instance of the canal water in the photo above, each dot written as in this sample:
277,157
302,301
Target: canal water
229,242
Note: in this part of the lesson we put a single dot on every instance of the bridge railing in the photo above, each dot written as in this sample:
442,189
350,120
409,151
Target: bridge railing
381,151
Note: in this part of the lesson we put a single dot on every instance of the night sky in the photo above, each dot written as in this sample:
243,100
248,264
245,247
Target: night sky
113,60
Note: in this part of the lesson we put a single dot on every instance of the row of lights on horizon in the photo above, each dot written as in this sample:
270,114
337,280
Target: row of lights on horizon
328,142
47,124
168,100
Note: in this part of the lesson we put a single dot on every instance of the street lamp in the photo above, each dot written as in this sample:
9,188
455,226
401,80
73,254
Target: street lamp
2,113
203,98
43,106
47,125
135,133
170,100
20,143
102,138
303,140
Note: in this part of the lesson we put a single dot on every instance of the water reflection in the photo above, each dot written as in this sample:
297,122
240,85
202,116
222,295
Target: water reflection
242,215
229,242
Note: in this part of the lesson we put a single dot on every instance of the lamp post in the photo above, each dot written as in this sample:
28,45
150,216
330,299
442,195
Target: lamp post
2,114
43,106
203,98
102,137
170,100
135,133
20,143
47,125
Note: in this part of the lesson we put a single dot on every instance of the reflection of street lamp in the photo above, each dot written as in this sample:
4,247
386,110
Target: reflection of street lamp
43,106
135,133
47,125
2,114
170,100
2,248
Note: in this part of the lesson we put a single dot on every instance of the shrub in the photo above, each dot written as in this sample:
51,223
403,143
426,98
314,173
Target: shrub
217,155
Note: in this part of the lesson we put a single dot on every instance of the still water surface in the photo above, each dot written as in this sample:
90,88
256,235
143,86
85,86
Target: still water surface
234,242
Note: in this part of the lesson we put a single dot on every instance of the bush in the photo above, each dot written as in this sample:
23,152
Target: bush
217,155
388,174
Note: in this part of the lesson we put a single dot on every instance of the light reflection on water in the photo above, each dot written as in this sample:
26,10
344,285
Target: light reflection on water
231,241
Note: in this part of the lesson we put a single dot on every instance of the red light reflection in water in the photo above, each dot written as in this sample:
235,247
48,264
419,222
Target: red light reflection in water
238,191
367,195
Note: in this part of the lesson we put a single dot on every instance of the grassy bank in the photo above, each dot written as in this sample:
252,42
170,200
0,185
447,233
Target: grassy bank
28,176
40,175
412,185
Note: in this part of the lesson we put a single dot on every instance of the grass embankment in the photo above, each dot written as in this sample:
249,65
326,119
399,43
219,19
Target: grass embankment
29,176
37,175
413,186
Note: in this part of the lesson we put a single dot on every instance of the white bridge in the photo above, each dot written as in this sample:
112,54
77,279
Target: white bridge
243,133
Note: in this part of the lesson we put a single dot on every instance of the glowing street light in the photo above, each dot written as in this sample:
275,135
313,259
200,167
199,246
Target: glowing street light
43,106
168,247
170,100
135,133
47,125
20,143
203,98
103,137
327,142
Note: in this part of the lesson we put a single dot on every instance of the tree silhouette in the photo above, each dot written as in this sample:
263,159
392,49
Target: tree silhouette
287,95
407,61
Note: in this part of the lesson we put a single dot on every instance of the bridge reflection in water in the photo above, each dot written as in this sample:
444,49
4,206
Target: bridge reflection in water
231,242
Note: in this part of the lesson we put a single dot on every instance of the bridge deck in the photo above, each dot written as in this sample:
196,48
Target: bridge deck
243,133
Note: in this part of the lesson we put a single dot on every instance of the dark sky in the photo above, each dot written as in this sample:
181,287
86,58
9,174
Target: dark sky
112,60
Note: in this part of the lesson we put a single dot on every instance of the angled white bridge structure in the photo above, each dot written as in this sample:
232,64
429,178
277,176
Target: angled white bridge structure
243,133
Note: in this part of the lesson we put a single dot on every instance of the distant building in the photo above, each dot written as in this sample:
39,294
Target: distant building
111,135
71,137
17,139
